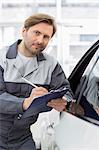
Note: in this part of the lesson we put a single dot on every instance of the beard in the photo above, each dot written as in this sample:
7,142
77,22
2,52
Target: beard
35,48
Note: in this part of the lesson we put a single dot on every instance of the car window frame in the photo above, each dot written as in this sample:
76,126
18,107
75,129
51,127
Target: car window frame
81,66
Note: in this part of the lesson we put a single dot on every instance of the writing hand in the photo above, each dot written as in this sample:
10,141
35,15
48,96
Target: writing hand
36,92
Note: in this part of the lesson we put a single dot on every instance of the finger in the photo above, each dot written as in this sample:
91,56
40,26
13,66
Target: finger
57,102
58,107
40,89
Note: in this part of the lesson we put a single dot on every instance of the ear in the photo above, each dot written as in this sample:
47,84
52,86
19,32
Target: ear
23,31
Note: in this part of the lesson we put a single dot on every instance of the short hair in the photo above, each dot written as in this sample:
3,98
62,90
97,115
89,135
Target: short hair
38,18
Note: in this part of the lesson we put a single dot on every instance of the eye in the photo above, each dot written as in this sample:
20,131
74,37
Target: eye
37,33
46,37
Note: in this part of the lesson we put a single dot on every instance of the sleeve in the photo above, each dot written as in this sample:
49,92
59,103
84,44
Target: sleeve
9,104
59,80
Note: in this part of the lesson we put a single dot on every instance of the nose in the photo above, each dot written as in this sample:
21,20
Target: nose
40,39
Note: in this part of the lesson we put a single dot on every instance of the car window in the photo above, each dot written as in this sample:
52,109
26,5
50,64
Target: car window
89,83
93,66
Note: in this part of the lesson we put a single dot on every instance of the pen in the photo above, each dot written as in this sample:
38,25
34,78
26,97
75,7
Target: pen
24,78
29,82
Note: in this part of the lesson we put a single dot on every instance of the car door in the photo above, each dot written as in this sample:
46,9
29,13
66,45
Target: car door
73,131
80,77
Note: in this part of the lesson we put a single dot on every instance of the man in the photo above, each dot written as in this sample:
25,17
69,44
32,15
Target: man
25,61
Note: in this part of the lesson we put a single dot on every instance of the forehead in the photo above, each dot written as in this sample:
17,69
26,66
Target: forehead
44,28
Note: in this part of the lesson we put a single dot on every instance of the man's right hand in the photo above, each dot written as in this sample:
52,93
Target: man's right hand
36,92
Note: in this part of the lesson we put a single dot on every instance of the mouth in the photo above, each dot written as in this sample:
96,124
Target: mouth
39,47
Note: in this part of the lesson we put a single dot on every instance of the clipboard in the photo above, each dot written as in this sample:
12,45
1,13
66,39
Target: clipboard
39,104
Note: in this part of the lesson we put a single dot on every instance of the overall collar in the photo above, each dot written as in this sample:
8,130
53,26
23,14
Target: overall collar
30,67
12,52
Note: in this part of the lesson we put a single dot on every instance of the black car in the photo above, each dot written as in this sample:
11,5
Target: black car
84,81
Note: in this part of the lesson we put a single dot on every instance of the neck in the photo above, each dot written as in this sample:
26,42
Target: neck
22,49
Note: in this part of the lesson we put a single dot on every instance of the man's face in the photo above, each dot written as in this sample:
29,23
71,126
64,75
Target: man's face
36,38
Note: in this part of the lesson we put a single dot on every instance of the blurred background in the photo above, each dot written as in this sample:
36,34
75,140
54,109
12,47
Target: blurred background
77,20
77,24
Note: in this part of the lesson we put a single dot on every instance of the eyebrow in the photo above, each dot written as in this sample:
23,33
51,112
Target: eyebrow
42,33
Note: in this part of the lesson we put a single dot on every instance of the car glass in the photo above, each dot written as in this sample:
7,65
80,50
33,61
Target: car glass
89,84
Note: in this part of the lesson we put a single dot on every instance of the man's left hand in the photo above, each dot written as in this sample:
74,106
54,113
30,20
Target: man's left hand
58,104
